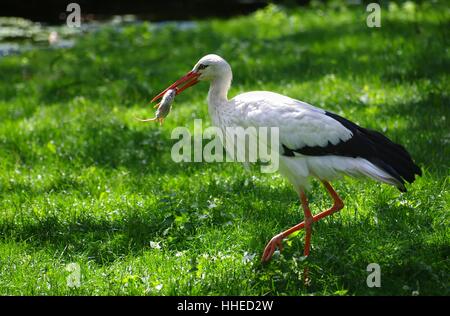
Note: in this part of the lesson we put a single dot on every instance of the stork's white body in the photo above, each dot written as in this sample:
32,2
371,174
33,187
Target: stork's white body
300,124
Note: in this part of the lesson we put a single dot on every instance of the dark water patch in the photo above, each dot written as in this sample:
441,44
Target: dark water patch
54,11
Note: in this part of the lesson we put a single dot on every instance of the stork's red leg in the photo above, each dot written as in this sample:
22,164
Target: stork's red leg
276,241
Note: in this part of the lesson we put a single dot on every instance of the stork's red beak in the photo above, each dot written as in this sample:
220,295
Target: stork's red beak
188,80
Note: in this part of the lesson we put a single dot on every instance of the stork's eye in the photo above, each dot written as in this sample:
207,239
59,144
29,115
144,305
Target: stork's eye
202,66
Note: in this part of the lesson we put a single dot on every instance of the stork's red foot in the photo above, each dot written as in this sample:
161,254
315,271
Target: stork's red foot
275,243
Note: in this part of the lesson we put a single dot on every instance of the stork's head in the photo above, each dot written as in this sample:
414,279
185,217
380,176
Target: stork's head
209,67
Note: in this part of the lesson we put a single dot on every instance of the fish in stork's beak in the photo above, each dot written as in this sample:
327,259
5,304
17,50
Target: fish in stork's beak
188,80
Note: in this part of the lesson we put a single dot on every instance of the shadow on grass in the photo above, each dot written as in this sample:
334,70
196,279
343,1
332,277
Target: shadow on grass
360,51
108,237
425,132
399,242
130,72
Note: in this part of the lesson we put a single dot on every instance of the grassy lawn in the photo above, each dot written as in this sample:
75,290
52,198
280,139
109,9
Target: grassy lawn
82,182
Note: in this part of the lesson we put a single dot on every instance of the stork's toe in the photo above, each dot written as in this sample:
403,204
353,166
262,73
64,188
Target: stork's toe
275,243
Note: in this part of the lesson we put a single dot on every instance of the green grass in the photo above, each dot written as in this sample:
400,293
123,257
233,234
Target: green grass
81,181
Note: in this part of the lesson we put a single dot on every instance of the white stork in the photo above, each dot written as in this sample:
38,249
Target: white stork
313,142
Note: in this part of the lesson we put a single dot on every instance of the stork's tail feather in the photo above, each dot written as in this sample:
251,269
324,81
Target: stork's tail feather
392,158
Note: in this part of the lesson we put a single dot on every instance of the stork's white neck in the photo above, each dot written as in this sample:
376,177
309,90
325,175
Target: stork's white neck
218,95
218,90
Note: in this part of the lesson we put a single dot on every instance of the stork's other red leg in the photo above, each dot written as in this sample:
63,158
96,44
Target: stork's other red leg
338,204
276,241
309,220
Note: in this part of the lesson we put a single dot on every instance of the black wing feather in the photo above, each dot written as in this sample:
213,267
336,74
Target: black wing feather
368,144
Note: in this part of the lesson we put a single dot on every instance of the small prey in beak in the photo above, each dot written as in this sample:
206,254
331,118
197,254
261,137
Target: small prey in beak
163,107
168,95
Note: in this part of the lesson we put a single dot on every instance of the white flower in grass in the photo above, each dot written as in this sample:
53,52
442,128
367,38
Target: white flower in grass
248,257
212,204
155,245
